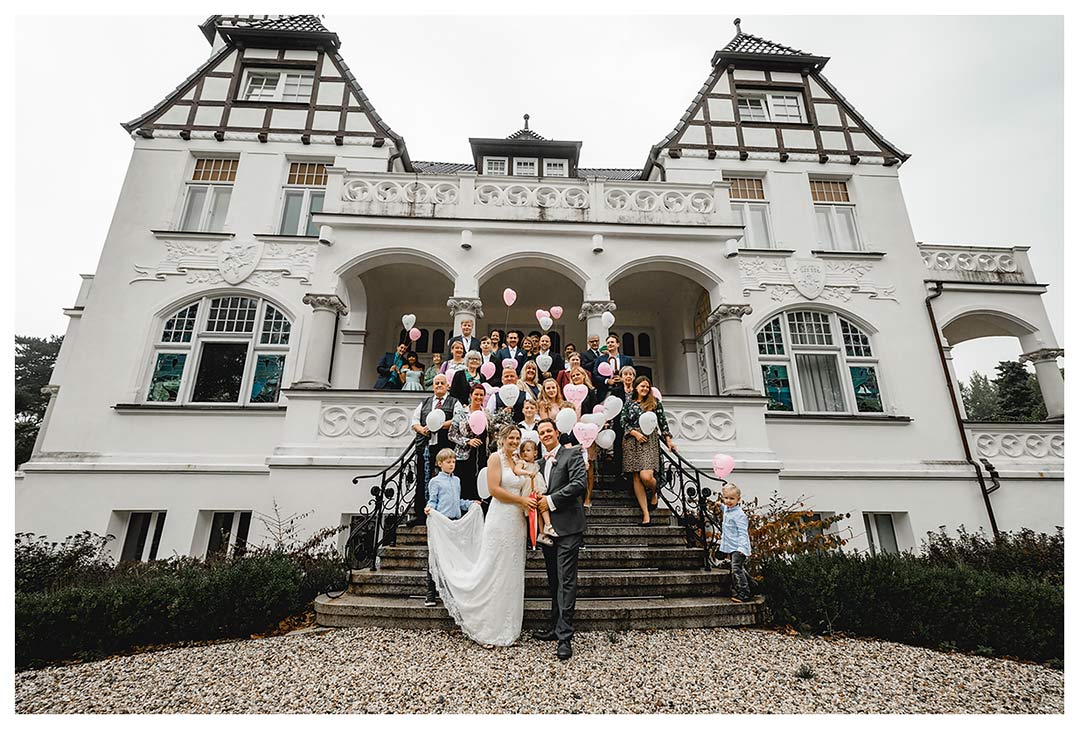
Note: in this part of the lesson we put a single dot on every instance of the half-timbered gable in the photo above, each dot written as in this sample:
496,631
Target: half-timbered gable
764,100
272,78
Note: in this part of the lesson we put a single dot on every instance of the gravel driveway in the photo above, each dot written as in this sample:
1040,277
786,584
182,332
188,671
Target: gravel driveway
683,671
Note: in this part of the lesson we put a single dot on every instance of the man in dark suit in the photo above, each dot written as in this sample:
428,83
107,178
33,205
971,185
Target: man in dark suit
509,377
605,384
511,350
564,472
556,365
389,368
588,357
465,338
429,444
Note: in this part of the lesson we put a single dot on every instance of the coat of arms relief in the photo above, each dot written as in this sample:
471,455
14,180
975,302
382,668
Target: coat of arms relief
810,278
232,262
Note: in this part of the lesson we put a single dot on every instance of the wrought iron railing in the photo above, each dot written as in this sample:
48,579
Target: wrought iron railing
691,493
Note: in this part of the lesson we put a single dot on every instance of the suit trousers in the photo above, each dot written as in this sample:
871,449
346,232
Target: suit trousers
561,561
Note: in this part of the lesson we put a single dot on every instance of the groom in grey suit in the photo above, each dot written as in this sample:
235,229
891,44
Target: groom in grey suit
564,473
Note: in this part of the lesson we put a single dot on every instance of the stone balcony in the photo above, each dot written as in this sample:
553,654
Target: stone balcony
468,196
1010,444
980,264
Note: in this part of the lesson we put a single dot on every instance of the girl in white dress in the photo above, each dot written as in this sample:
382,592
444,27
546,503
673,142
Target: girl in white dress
479,566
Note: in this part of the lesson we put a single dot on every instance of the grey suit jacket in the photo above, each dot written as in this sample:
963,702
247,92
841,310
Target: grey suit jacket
566,487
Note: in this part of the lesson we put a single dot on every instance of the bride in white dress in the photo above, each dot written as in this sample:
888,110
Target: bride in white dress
478,565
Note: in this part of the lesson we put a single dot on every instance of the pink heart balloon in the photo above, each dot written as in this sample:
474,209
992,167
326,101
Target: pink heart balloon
556,312
541,313
487,369
656,394
509,296
414,334
598,409
586,433
510,363
489,389
575,393
604,369
722,465
477,422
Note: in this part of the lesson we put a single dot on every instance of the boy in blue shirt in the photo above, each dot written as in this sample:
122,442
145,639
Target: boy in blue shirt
444,496
735,540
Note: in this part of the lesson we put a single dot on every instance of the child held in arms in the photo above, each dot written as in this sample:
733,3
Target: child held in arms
527,467
444,496
735,541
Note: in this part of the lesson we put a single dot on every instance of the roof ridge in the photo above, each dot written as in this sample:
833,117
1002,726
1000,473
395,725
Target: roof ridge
749,43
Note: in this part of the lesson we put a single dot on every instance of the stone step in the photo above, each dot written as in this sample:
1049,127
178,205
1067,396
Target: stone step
626,535
591,614
414,557
591,584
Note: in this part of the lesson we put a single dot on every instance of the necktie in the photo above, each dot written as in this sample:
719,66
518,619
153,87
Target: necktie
438,404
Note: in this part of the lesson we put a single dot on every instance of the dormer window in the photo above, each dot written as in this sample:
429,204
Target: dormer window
770,107
277,85
555,168
525,166
495,166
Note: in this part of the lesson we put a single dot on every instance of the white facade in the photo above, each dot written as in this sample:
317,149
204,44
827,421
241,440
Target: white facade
668,254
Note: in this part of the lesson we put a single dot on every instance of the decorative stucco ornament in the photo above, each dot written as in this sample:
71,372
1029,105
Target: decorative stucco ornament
807,276
238,259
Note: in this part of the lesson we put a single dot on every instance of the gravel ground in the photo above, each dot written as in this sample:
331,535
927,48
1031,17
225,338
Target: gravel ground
684,671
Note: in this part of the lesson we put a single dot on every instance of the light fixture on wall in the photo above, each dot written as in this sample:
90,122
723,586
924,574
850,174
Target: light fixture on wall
597,243
466,239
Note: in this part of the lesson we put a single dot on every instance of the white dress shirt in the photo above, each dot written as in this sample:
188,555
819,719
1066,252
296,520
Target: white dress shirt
549,461
416,414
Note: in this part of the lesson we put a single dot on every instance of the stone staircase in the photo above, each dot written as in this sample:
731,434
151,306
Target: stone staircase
629,577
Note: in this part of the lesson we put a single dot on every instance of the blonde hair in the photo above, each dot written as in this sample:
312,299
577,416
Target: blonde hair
583,371
546,406
728,488
445,455
504,432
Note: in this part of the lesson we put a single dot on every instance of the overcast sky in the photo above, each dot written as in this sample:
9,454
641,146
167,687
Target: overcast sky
977,101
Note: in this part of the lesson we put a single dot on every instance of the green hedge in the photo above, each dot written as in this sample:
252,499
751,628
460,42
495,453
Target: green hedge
163,602
909,599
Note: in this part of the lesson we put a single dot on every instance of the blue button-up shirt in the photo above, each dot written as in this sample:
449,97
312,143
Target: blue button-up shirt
735,537
444,495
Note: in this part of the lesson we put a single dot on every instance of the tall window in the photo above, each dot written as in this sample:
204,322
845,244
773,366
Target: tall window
835,214
770,107
305,191
228,349
818,362
276,85
143,535
881,532
752,210
228,534
206,201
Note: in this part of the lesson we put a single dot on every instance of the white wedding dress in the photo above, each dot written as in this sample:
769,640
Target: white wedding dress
479,566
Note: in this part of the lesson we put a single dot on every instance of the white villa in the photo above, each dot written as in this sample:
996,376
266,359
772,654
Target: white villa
273,229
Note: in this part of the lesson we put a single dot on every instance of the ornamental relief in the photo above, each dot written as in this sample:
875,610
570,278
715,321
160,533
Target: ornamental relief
232,262
1020,445
810,278
363,422
693,425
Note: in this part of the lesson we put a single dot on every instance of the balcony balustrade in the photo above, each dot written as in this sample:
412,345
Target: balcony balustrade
983,264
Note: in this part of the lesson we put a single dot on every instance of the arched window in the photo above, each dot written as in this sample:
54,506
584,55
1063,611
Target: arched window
818,362
421,345
644,345
438,341
228,349
628,347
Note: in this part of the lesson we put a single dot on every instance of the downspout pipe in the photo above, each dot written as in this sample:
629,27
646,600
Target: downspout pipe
938,288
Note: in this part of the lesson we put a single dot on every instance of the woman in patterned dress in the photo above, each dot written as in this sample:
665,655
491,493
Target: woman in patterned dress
641,453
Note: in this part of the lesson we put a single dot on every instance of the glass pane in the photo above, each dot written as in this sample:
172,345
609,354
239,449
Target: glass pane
135,540
232,314
159,525
628,347
290,212
869,533
219,208
221,368
740,218
220,529
438,341
266,384
242,527
856,343
275,329
847,237
759,227
771,338
867,393
316,207
168,371
644,347
777,387
810,328
824,229
180,326
193,209
886,534
819,383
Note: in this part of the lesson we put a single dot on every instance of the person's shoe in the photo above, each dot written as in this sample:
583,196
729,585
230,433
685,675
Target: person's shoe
550,531
545,540
544,635
737,599
564,651
416,522
431,601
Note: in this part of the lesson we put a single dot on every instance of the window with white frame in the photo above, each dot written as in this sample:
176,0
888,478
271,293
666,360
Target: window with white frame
206,201
881,532
228,534
142,536
305,192
835,215
555,168
525,166
495,166
277,85
818,362
223,349
770,107
752,210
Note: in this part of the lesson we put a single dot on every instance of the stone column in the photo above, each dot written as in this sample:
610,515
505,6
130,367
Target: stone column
462,308
735,356
320,340
591,312
1051,383
947,350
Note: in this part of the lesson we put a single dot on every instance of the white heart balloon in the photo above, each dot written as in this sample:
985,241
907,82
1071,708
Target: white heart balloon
597,418
605,439
546,323
435,420
565,420
607,319
647,423
612,406
482,485
508,394
543,362
529,435
408,321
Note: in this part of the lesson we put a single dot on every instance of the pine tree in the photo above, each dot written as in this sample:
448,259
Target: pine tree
980,398
1017,400
34,360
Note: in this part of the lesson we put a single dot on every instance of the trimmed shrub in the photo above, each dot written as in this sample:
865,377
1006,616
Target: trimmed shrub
917,601
1025,552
